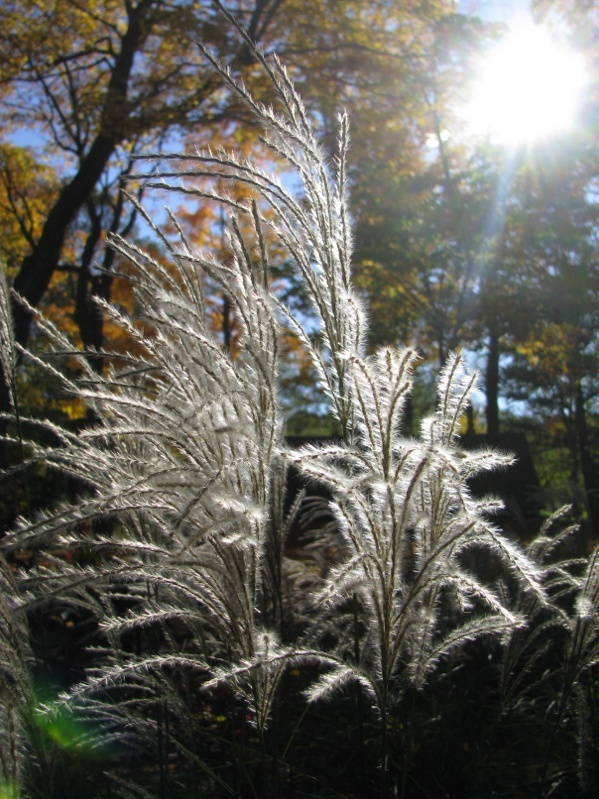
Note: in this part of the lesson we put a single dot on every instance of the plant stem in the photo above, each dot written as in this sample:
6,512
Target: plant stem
408,748
384,754
359,707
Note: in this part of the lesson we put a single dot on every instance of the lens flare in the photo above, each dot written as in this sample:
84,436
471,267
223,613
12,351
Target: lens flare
9,790
79,736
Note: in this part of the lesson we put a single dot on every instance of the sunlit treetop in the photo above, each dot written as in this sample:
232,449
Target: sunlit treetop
529,87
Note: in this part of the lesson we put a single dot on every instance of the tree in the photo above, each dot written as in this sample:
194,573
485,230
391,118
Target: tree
109,78
27,189
551,235
103,82
423,222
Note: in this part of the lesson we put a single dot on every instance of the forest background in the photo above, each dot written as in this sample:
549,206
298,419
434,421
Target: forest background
461,243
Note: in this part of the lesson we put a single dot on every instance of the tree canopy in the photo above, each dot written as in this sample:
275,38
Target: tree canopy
460,244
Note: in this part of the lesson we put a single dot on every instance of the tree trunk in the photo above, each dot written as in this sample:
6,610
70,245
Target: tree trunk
492,385
587,467
88,315
37,269
39,266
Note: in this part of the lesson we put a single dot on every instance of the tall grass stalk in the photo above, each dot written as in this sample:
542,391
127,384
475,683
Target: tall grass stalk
179,466
580,656
27,763
8,370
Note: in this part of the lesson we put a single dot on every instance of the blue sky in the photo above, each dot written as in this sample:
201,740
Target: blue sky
500,10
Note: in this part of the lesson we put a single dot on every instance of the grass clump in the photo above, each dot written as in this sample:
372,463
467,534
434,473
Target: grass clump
175,545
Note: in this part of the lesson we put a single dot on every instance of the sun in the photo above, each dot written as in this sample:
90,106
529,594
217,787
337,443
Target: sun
528,88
